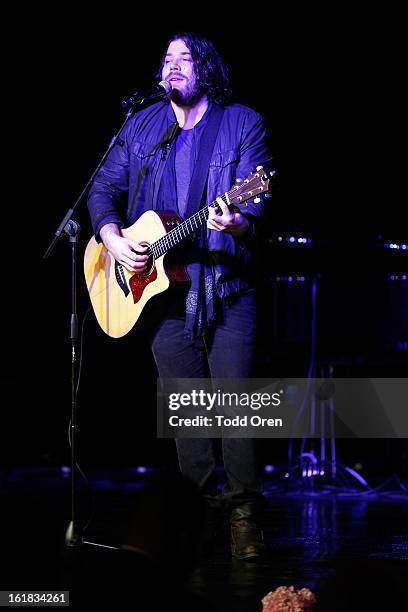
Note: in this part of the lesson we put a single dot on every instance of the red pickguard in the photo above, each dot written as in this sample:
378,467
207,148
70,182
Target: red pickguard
138,283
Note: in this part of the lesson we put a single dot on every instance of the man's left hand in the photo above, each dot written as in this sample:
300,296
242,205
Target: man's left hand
230,221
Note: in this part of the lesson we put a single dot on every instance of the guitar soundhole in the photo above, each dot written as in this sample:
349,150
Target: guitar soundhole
149,263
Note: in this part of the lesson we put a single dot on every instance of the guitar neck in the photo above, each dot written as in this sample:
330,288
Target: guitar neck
183,230
255,184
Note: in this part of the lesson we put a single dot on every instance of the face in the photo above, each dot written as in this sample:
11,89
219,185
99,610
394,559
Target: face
178,70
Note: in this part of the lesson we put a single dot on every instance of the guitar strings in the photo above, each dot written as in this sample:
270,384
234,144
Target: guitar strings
166,242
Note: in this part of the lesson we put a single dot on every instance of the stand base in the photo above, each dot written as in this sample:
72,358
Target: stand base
73,537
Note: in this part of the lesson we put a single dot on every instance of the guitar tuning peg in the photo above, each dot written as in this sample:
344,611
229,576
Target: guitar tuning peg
259,168
257,200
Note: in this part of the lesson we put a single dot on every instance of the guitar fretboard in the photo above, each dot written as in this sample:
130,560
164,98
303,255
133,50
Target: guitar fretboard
184,229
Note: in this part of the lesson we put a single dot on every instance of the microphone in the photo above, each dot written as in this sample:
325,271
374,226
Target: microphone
155,93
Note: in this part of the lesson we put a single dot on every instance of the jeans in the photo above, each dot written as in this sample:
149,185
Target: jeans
225,351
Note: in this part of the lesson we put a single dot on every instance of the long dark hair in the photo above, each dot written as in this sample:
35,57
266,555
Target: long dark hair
210,69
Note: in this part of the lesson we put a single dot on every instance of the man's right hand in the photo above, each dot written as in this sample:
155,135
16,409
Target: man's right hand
127,252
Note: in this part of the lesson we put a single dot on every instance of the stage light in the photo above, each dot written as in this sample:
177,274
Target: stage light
269,468
290,279
139,469
293,240
399,246
297,240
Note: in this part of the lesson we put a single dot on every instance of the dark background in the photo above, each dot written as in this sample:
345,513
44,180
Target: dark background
331,89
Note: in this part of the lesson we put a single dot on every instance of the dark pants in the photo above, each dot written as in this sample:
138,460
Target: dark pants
227,351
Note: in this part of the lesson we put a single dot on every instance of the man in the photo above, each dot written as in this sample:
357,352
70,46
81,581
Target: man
208,327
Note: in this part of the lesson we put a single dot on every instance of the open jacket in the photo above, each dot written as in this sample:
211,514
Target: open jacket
128,183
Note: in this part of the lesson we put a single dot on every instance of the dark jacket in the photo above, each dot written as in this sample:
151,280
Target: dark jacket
131,175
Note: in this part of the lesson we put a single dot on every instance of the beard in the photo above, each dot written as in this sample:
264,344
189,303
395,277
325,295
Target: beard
188,97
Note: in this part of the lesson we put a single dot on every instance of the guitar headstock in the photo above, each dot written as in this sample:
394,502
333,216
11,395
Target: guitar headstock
254,185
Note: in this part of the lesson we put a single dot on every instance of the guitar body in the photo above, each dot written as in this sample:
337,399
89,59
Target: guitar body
119,296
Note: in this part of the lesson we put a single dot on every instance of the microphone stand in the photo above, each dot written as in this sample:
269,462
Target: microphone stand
69,227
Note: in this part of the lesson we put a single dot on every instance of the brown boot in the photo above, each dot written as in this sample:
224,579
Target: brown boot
246,537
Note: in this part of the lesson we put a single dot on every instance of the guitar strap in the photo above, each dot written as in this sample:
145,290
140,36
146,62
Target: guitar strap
202,166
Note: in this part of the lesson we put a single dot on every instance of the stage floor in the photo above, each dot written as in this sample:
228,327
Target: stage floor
314,533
